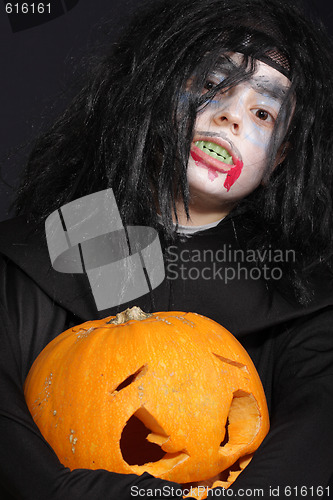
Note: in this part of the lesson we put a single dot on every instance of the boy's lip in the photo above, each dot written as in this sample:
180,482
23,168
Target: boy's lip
200,156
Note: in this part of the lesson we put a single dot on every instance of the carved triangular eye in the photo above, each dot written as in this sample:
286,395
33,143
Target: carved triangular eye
130,379
241,366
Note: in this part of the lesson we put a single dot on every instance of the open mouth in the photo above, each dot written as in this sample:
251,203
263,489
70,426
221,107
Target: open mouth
217,160
215,151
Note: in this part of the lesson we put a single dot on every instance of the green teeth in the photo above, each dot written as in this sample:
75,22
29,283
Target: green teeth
215,151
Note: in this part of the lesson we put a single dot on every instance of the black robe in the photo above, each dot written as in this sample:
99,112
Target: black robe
291,346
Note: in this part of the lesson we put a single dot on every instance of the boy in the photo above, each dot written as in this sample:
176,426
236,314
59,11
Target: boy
211,121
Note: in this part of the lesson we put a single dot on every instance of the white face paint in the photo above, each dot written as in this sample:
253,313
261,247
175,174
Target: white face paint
232,134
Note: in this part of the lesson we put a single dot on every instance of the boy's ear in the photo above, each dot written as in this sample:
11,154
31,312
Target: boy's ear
282,153
280,157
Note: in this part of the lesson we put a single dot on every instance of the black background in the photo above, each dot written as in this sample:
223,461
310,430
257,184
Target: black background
38,54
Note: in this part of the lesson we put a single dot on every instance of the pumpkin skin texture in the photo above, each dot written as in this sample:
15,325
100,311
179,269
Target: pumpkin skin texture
172,393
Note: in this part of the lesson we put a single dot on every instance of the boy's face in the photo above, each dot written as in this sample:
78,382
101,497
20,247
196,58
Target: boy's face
232,134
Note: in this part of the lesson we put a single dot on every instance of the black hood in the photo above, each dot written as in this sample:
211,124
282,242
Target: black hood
242,305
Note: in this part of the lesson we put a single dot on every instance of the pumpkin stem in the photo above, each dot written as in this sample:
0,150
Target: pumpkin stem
131,313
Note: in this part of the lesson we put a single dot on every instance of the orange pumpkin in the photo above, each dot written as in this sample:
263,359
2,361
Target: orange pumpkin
170,393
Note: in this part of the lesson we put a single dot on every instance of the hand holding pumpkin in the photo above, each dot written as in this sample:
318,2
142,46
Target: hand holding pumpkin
170,393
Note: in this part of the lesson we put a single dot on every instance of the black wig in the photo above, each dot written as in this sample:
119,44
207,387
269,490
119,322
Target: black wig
130,127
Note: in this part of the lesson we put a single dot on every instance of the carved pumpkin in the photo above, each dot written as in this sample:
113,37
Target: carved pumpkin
171,393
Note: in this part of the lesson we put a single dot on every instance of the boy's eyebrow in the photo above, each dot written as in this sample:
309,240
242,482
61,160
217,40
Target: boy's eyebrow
263,86
224,64
275,90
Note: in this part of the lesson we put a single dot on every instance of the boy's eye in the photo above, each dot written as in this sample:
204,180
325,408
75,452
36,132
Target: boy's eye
209,85
213,79
263,115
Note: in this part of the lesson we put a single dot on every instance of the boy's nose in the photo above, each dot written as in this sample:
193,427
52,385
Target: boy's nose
229,116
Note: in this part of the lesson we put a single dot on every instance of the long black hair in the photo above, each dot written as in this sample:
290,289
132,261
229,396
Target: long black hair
130,127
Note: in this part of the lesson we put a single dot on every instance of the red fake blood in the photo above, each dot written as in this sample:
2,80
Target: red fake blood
212,174
233,174
233,171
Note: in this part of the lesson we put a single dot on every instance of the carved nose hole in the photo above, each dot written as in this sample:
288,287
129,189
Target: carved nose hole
135,448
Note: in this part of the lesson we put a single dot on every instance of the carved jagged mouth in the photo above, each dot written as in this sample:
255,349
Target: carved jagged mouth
143,439
142,443
215,151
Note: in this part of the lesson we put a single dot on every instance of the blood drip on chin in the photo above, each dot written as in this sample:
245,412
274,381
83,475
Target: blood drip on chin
233,174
